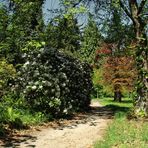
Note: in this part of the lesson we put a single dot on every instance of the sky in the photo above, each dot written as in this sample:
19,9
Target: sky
49,4
54,4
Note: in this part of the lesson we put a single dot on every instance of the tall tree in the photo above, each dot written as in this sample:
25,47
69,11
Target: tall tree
119,73
25,27
136,11
63,31
69,34
119,32
64,34
4,22
91,39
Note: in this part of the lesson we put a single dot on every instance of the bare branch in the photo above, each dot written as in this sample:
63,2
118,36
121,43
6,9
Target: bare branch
132,2
143,2
125,10
75,4
136,4
130,6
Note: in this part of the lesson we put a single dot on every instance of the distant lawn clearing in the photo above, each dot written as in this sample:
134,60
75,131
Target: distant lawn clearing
126,102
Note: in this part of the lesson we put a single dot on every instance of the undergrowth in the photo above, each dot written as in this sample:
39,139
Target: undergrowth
16,114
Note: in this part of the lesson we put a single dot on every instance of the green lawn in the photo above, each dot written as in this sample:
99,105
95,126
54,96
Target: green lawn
123,133
126,102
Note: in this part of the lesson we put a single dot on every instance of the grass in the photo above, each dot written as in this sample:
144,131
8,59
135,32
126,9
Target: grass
126,102
123,133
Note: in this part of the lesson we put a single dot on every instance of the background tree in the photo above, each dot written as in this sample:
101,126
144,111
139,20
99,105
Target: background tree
120,73
63,31
136,12
119,32
91,40
64,34
4,22
25,28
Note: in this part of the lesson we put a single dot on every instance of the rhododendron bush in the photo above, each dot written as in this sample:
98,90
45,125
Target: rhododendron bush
55,83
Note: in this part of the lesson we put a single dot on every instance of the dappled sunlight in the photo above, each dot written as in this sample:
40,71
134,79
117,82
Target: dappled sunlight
15,139
66,132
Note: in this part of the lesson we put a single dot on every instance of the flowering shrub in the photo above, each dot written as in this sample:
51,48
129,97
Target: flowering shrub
55,83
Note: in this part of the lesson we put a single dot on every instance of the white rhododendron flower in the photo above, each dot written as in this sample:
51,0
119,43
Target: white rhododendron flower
34,87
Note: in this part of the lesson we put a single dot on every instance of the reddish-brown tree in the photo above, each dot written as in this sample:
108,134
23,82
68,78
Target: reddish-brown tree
119,72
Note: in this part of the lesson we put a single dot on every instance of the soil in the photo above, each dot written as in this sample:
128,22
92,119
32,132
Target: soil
81,131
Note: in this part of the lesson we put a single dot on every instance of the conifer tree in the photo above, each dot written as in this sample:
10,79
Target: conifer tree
91,40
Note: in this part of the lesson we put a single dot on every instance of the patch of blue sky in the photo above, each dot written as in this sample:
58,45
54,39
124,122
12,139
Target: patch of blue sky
54,5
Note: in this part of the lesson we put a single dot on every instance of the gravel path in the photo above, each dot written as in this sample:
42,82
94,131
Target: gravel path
80,132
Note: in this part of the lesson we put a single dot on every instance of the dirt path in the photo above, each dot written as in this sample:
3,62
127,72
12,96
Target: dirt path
80,132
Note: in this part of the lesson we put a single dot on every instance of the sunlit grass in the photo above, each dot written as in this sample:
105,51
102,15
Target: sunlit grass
126,102
123,133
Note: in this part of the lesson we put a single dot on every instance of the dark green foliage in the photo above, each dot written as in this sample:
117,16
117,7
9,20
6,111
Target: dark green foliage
3,22
17,114
7,74
63,34
118,32
50,82
19,28
55,83
91,40
2,130
69,34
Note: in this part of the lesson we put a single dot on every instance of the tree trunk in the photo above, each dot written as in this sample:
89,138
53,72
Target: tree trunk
117,96
141,100
141,53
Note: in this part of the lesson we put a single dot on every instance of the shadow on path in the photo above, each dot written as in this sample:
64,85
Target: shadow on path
14,140
116,108
91,117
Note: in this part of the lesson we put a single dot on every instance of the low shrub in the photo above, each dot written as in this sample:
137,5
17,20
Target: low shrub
55,83
16,113
7,73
